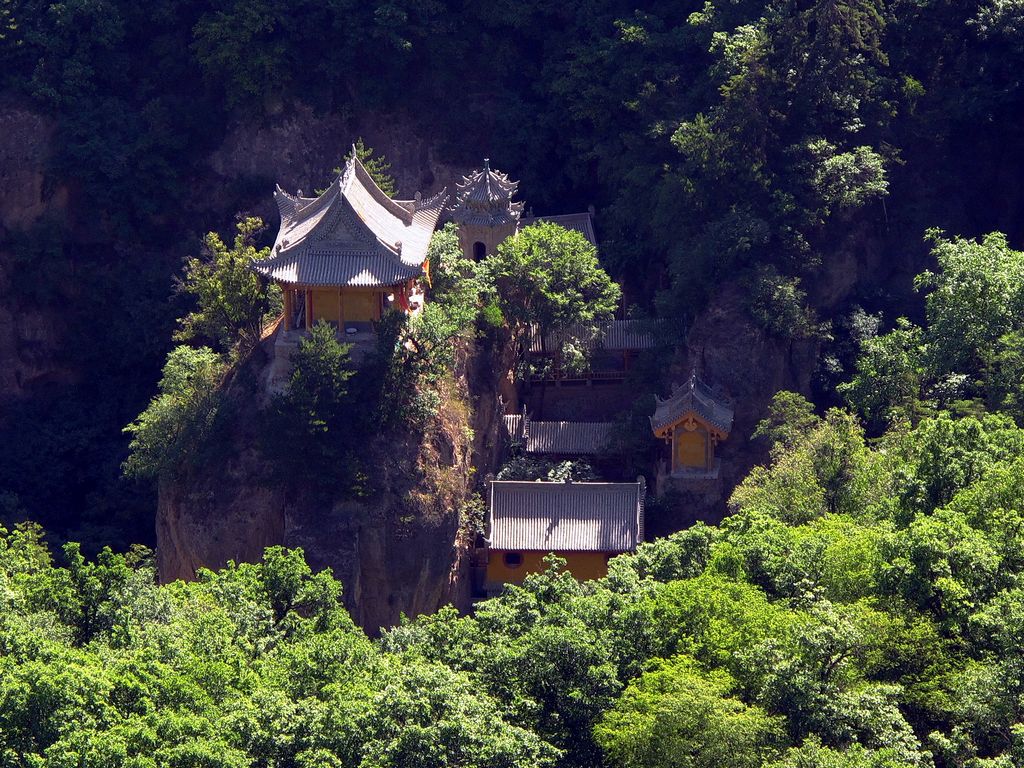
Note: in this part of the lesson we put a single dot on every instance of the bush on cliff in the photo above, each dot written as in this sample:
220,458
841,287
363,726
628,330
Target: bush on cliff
178,421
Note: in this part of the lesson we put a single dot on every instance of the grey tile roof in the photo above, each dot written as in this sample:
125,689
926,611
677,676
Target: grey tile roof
326,266
566,517
581,222
693,397
561,438
616,335
514,426
484,198
352,234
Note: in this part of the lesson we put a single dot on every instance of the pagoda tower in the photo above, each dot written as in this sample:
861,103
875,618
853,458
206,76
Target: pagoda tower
484,211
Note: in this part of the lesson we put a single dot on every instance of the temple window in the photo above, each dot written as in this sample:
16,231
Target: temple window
479,250
512,559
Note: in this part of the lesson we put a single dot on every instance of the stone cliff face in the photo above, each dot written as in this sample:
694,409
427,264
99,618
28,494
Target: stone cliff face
29,335
400,548
750,365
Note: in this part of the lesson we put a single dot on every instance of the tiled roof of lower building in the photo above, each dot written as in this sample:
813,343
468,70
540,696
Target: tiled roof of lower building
562,438
616,335
566,517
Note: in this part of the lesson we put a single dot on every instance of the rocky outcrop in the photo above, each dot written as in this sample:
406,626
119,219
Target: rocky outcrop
299,148
750,365
30,335
398,548
24,155
30,342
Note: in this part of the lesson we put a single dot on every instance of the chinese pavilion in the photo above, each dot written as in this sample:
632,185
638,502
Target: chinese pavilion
350,253
484,211
693,420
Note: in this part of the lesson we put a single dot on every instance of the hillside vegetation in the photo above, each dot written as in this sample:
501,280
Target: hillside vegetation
755,141
861,607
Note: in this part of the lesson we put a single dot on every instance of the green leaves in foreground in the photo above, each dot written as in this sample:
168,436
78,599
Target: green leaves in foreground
861,607
677,717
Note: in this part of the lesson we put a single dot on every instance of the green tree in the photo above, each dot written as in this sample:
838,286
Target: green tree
549,277
676,715
1004,374
314,417
790,420
811,754
891,371
431,339
976,297
233,302
177,421
377,166
779,305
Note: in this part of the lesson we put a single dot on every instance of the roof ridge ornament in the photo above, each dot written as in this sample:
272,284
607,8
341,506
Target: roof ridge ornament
697,397
484,198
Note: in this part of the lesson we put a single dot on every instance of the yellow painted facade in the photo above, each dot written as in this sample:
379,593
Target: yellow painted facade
325,305
361,306
343,305
583,565
691,448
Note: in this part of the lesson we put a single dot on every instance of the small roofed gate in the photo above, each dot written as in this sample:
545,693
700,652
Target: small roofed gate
693,420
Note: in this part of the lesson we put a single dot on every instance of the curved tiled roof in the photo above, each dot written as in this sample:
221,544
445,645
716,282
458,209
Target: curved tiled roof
566,517
693,397
580,222
352,234
484,198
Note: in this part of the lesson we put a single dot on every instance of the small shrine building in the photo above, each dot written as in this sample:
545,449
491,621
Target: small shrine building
693,420
487,215
585,523
351,253
484,211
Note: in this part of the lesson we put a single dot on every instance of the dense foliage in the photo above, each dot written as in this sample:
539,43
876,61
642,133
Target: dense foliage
968,357
180,419
547,278
748,139
233,303
860,608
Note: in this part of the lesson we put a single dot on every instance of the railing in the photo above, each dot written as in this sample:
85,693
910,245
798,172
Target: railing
558,375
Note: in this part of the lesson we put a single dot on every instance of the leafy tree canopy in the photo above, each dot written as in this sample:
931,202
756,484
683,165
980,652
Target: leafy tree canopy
549,277
233,302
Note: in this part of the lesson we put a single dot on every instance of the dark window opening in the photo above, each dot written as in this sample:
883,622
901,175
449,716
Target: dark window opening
479,250
512,559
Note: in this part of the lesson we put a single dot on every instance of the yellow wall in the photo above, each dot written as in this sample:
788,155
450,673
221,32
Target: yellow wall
360,306
690,448
582,565
325,304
